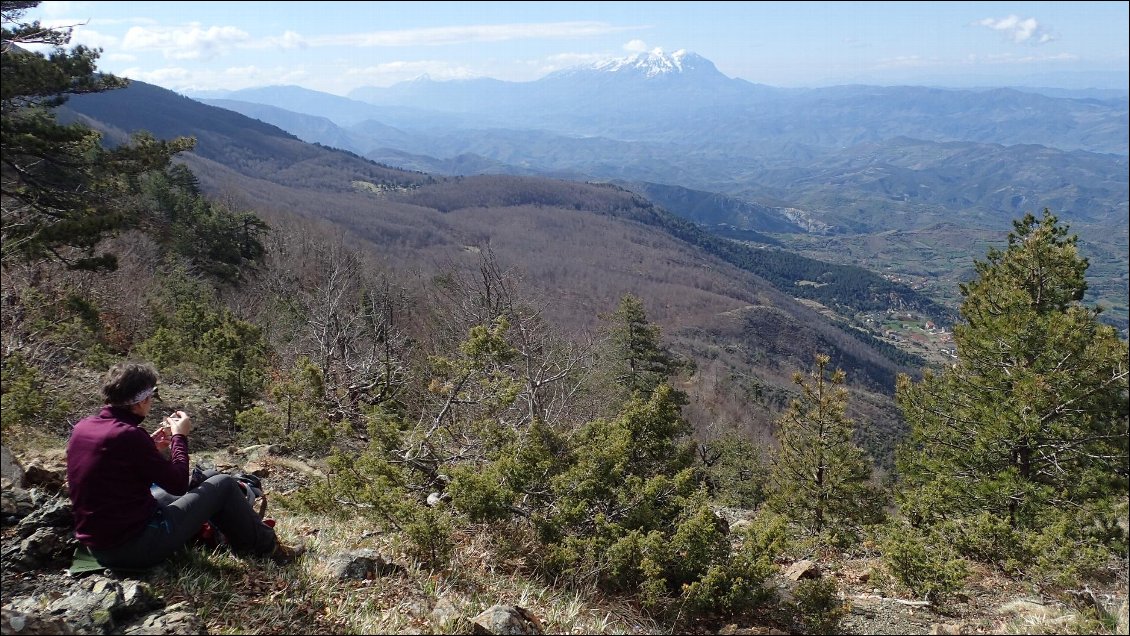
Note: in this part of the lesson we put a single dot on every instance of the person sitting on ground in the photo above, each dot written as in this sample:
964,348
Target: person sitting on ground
111,464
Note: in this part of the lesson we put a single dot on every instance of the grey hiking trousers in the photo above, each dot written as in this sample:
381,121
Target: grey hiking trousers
219,500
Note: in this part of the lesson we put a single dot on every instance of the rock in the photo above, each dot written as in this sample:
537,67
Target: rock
445,613
803,570
10,468
47,546
361,565
50,479
734,630
945,629
15,504
259,451
174,619
53,513
740,526
506,620
15,622
257,468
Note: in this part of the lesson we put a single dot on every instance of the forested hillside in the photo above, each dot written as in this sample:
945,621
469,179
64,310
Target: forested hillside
554,383
826,170
583,245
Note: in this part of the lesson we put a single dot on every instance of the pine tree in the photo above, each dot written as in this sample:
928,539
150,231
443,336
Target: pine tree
641,362
62,191
819,477
1033,416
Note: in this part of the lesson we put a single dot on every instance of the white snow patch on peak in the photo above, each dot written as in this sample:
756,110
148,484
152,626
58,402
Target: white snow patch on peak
651,64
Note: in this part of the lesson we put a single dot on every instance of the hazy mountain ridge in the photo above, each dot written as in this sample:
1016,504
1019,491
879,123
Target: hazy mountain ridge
846,159
642,91
991,180
581,245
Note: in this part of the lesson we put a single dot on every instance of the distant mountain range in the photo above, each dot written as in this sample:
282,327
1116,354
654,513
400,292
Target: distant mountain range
579,247
841,161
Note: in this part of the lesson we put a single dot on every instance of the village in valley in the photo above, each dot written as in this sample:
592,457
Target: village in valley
913,333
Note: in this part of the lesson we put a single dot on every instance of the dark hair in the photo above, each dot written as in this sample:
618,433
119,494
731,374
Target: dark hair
124,380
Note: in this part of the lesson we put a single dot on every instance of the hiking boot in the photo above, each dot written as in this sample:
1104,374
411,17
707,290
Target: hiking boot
284,554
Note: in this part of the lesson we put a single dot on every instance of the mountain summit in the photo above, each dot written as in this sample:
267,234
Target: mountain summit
655,63
650,65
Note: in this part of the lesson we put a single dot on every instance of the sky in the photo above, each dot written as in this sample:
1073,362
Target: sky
335,47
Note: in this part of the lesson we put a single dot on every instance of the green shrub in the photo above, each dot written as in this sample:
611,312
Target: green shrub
988,539
428,531
924,563
700,541
258,426
1073,547
736,584
27,400
735,472
769,533
480,494
817,606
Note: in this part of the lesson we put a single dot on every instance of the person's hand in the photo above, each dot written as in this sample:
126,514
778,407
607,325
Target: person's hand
179,423
162,438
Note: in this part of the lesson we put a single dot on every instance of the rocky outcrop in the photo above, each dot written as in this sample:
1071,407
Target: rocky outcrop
40,597
506,619
38,545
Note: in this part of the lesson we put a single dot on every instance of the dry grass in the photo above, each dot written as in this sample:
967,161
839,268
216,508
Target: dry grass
234,595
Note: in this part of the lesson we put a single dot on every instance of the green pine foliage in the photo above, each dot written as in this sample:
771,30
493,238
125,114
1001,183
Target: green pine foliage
817,605
63,192
620,503
1016,457
217,242
736,472
1030,424
198,338
296,414
638,359
923,561
26,396
819,477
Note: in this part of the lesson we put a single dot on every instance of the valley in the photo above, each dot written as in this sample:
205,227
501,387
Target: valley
635,347
911,182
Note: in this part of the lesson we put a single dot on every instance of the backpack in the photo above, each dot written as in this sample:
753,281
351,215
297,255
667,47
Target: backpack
249,483
253,489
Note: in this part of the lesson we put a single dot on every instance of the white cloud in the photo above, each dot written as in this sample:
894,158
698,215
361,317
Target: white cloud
288,40
190,42
635,46
55,9
119,57
181,79
567,60
1008,58
471,33
1019,30
168,77
388,73
92,39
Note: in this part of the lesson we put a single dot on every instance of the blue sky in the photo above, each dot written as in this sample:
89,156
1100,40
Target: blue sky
338,46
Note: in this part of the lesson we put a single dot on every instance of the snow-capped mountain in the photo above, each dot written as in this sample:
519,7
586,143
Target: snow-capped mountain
653,62
632,90
654,65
